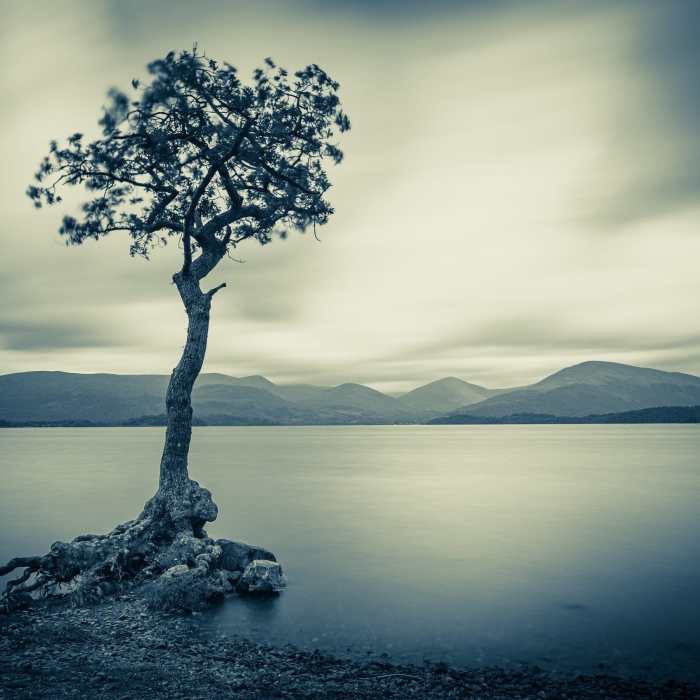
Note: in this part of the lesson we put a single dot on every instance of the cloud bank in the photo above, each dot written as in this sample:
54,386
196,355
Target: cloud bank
520,193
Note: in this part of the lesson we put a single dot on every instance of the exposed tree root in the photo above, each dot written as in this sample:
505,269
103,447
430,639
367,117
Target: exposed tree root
167,541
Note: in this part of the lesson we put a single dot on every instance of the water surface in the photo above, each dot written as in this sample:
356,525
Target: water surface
564,546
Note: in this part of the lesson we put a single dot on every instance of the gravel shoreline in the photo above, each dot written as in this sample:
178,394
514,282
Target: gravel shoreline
122,651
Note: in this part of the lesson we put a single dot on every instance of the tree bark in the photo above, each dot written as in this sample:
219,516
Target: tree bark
187,505
178,403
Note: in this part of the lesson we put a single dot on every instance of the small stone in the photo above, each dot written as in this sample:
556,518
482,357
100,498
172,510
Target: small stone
262,576
236,556
285,679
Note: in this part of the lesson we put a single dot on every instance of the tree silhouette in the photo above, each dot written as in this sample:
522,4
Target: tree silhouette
201,157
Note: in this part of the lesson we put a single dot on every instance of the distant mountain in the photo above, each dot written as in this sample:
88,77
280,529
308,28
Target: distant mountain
247,405
300,392
355,403
444,395
255,381
63,398
660,414
594,388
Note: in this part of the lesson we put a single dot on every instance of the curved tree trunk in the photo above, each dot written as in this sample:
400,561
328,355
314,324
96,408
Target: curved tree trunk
173,465
188,505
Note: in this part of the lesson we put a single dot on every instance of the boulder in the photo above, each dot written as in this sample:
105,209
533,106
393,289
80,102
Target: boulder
236,556
185,588
262,577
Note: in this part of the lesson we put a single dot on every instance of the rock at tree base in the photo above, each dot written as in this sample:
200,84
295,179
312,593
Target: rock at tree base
262,577
236,556
184,588
233,576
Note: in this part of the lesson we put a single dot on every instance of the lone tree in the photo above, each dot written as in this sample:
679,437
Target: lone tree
202,157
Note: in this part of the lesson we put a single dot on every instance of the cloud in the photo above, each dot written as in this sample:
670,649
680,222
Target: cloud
43,336
518,193
649,164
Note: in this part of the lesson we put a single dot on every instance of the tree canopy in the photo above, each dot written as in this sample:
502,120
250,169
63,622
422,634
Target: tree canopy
202,156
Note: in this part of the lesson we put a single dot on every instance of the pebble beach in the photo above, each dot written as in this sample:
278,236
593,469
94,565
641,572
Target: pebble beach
121,650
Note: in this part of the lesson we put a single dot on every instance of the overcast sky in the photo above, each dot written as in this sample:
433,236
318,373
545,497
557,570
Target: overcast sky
520,192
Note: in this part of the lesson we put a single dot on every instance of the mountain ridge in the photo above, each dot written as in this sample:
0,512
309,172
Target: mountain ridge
594,388
589,388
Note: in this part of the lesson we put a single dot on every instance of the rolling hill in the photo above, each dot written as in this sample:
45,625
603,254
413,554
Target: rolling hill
444,395
103,398
217,399
227,404
355,403
594,388
590,388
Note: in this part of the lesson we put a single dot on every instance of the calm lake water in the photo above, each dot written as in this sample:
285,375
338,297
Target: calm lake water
562,546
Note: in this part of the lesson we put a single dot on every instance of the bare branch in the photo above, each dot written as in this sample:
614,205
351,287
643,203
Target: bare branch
231,191
211,292
160,208
165,223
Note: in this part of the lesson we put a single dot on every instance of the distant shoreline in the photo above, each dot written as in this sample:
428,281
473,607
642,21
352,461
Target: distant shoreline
660,415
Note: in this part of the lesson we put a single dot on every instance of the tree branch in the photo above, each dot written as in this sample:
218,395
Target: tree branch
231,191
201,189
206,262
219,221
286,179
211,292
160,208
166,223
189,217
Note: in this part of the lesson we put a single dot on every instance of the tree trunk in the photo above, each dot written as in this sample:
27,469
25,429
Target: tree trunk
173,465
187,505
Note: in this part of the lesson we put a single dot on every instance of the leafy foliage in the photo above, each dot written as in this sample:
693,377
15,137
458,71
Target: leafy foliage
202,156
